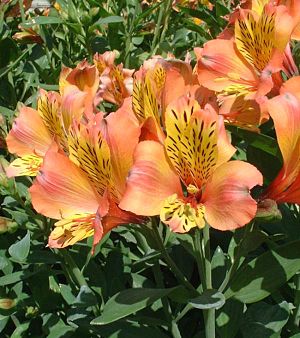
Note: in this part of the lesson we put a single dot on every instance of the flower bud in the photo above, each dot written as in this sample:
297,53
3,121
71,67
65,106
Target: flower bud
7,225
7,303
267,211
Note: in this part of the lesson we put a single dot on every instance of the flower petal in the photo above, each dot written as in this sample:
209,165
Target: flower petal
28,165
181,216
285,112
227,200
29,134
121,131
151,180
62,189
191,142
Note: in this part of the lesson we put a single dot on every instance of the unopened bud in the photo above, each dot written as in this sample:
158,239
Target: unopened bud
31,311
267,211
7,303
94,11
7,225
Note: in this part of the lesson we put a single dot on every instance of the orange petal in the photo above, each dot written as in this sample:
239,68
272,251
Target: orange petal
121,131
62,189
220,65
292,86
227,200
150,181
285,112
29,134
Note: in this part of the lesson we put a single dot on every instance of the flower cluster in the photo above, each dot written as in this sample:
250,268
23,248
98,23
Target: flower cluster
165,150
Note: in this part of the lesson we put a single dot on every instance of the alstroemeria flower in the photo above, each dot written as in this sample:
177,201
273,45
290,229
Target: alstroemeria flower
189,180
32,134
242,69
285,112
83,191
35,130
115,81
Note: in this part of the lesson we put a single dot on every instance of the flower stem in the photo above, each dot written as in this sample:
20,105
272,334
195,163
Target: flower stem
166,305
209,315
179,275
72,269
157,29
296,314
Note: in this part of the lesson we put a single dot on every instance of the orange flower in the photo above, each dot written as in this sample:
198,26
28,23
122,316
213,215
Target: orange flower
285,112
34,131
83,191
115,81
194,156
243,69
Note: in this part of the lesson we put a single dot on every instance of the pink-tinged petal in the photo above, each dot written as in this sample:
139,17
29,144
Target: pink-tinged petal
150,181
86,79
97,223
121,131
72,106
285,112
227,200
62,189
241,112
220,65
292,86
29,134
225,149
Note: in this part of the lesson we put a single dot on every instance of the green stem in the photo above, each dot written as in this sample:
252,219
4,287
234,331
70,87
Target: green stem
22,11
236,262
209,315
200,257
157,29
129,38
166,305
296,314
72,269
179,275
166,21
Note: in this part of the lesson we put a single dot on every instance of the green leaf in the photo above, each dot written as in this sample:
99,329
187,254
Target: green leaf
127,302
109,19
17,276
259,141
263,320
42,20
229,318
265,274
85,298
20,250
210,299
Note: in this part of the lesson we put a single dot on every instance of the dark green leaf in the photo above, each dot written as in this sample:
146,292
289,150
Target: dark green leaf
265,274
20,250
128,302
